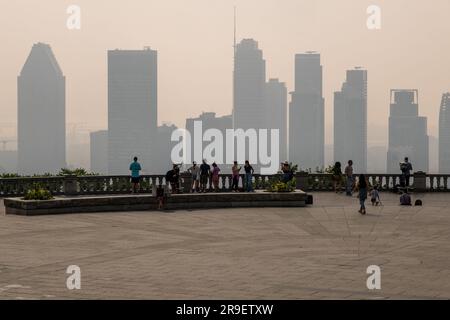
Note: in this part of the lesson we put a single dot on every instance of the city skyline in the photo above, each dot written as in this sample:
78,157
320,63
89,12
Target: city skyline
393,57
128,78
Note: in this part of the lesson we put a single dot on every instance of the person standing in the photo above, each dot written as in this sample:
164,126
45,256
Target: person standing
235,176
135,168
195,171
205,170
406,168
362,193
215,176
248,176
349,178
337,177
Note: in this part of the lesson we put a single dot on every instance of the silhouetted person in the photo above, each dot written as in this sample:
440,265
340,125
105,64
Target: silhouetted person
235,176
288,175
362,193
337,177
349,178
205,170
195,172
135,167
405,199
248,176
406,168
173,177
215,176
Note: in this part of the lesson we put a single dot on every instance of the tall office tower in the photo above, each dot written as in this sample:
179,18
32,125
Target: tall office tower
276,113
132,108
208,120
41,113
407,132
444,134
99,151
306,113
249,85
350,121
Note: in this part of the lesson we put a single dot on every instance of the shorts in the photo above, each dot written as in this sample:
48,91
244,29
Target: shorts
194,177
135,179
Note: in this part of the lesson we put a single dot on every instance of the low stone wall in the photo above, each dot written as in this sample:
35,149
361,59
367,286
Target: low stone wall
83,204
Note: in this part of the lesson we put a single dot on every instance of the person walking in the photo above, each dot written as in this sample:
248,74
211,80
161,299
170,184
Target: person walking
215,176
135,168
195,172
337,177
362,193
349,178
235,169
248,176
205,170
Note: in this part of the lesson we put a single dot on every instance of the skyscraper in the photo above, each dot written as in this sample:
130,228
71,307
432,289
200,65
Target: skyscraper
41,113
407,132
99,151
444,134
132,108
249,86
276,112
350,121
306,113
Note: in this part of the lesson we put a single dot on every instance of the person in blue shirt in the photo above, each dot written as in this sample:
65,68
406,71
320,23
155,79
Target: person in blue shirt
135,167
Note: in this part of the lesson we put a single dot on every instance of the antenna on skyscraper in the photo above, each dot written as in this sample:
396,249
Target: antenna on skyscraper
234,42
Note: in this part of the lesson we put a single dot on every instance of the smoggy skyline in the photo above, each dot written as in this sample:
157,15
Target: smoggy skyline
194,43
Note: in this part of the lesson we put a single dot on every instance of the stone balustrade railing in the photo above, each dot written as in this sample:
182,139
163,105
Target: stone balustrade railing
71,185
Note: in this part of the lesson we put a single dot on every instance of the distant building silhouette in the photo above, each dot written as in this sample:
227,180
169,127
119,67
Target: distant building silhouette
8,161
41,113
99,151
407,132
209,120
444,134
132,108
276,112
306,113
249,86
350,121
161,162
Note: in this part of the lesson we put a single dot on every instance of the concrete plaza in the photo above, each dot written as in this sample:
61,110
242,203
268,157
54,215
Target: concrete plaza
317,252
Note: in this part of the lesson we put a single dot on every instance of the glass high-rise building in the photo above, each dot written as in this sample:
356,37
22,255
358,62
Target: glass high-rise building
350,121
41,113
407,132
444,134
306,113
249,86
132,108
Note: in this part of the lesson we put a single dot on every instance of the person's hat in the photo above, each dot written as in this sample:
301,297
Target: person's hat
286,163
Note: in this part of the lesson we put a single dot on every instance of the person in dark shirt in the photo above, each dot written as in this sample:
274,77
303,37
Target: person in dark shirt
337,177
205,172
173,178
248,176
406,168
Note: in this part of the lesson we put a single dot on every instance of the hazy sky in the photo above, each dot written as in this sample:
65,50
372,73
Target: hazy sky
194,40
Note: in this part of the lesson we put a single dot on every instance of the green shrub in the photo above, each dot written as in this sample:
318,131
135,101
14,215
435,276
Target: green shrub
37,192
75,172
276,185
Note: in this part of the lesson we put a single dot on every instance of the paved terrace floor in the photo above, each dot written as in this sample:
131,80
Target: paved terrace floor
319,252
